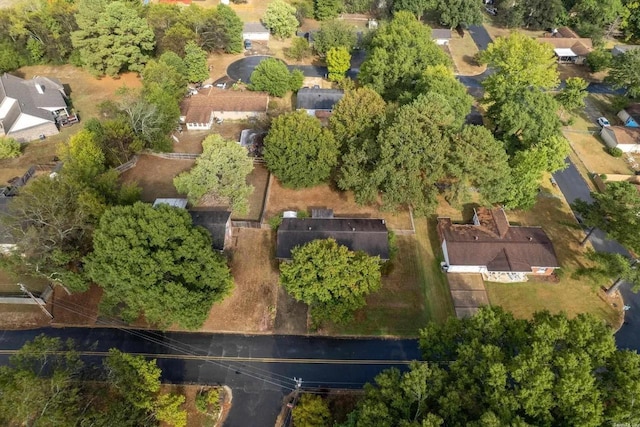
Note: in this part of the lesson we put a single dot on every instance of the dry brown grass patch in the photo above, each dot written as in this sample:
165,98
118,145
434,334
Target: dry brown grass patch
155,176
343,204
463,51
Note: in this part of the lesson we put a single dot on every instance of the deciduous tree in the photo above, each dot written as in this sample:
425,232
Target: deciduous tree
112,37
83,158
280,19
338,63
625,72
272,76
195,59
417,7
9,148
609,267
573,94
454,13
299,151
333,280
311,411
327,9
440,79
492,369
152,262
398,54
222,169
615,211
335,33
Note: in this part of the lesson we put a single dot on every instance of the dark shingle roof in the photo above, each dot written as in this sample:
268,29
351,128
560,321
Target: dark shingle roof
318,99
215,221
498,246
357,234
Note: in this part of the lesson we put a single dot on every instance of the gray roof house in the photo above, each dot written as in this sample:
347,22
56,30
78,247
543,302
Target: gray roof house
255,31
357,234
620,49
441,36
30,109
318,102
217,222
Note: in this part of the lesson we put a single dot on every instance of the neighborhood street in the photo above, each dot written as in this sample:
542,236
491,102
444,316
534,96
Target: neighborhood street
260,369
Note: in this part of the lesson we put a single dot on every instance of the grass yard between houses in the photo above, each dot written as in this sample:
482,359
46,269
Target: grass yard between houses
463,51
155,176
413,294
251,305
324,196
569,295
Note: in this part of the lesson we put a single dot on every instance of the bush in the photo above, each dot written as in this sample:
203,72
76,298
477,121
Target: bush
615,151
275,221
299,49
9,148
272,76
208,402
599,60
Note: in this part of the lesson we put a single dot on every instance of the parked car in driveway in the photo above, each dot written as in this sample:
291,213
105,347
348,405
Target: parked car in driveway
247,44
603,122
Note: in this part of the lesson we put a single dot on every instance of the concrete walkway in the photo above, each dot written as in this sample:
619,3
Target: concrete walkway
468,293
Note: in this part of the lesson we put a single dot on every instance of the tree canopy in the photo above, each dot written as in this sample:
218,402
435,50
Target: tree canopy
221,169
272,76
334,34
625,72
454,13
573,94
331,279
112,37
338,63
299,151
280,19
195,60
398,54
153,262
492,369
46,383
615,211
311,411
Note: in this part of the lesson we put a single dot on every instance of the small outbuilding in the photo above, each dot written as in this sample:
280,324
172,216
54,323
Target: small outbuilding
625,138
255,31
318,102
218,224
176,203
441,36
621,49
630,116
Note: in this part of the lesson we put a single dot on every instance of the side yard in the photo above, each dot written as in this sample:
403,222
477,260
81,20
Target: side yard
570,295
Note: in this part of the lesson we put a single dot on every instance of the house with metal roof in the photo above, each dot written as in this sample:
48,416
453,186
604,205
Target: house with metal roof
318,102
31,109
499,251
357,234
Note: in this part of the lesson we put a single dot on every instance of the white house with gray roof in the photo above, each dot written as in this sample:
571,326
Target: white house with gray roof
29,109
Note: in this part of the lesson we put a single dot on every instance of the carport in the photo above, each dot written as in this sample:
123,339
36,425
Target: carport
565,55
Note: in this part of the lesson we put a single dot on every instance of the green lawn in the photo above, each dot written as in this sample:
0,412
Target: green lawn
413,293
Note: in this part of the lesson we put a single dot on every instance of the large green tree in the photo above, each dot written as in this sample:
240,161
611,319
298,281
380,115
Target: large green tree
454,13
609,267
542,14
327,9
46,383
272,76
398,54
494,370
334,34
331,279
616,211
417,7
195,59
440,79
338,63
168,74
280,19
625,72
299,151
573,94
222,169
112,37
631,23
153,262
311,411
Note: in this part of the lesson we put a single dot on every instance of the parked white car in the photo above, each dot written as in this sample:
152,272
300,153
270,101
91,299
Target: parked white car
603,122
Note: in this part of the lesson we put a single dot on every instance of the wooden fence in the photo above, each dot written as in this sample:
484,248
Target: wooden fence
174,156
126,166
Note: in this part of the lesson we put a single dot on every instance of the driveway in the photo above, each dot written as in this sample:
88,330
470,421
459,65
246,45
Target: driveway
467,292
259,369
480,36
242,68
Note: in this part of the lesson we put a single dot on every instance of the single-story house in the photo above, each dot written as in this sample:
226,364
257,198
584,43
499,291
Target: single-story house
255,31
7,243
318,102
31,109
568,46
630,116
494,248
199,111
625,138
620,49
357,234
217,222
441,36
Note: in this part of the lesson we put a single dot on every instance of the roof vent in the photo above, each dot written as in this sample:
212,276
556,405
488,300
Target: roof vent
40,89
475,237
530,238
353,229
309,228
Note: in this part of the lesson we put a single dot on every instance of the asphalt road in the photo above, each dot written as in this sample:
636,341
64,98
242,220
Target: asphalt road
259,369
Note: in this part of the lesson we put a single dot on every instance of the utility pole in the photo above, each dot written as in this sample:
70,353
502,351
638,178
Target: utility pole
26,291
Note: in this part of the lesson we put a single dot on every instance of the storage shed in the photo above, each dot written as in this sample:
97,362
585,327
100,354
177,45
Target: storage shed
255,31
